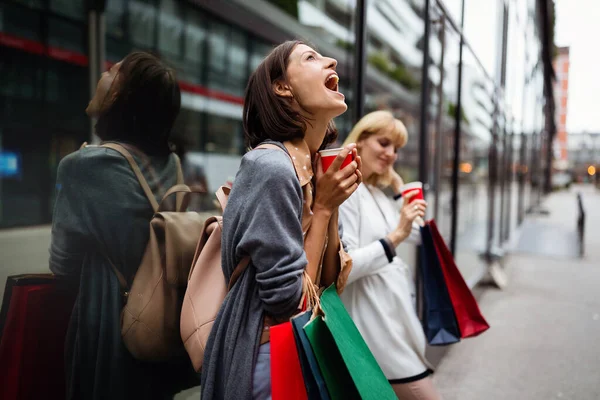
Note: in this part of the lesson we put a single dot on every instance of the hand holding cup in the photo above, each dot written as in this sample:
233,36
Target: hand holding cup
413,210
338,176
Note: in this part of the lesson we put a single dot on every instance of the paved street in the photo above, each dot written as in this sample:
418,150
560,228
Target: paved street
543,343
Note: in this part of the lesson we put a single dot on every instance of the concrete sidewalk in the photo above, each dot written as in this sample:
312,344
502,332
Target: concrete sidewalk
543,342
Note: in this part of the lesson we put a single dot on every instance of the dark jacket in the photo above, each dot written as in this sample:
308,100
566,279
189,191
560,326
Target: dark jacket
101,209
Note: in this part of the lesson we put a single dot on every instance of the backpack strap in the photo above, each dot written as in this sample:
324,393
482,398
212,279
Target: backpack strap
120,277
136,170
237,272
179,170
180,181
184,191
223,196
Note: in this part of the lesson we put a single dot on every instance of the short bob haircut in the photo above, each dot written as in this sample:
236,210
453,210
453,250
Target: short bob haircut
146,104
269,116
372,124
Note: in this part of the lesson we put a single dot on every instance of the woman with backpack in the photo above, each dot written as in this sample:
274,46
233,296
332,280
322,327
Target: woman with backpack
380,293
282,213
102,216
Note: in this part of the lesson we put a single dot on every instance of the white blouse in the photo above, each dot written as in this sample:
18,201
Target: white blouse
379,294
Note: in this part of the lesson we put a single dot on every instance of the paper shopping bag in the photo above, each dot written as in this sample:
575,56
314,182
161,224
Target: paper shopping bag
468,316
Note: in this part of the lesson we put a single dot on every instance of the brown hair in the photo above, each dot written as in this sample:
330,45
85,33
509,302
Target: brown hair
147,102
269,116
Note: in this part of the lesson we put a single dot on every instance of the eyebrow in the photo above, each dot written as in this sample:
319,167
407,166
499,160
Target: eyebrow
312,52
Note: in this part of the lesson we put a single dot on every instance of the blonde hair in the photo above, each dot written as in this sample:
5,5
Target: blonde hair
374,123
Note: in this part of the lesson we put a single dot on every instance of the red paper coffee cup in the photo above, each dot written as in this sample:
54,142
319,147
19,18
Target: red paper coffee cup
410,187
329,155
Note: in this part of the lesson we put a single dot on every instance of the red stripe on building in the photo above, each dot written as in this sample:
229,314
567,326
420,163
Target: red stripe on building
72,57
213,94
27,45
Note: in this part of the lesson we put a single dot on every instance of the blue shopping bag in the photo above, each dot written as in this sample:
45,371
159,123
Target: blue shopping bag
438,318
316,388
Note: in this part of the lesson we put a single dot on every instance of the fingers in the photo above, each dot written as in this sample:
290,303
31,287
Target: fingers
409,195
349,181
415,209
339,159
348,170
358,160
360,176
419,201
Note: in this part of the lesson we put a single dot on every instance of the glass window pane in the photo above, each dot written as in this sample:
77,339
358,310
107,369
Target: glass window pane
259,52
238,63
142,21
115,17
31,3
116,49
218,58
21,75
69,8
195,37
218,38
223,135
188,128
20,21
65,35
170,29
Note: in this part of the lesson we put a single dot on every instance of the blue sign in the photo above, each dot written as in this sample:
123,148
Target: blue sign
10,164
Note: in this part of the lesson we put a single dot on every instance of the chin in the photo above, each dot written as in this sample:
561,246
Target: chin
339,109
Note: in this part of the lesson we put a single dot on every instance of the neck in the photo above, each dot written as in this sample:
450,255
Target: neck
315,134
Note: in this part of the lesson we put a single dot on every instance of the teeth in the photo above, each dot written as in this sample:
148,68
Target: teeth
334,77
335,80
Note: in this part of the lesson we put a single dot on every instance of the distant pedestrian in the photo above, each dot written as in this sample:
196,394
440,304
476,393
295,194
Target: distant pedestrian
102,213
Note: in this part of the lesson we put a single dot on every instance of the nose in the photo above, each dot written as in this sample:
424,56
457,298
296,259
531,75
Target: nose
390,151
331,63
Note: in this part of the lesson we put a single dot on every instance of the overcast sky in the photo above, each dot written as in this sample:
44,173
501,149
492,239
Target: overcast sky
578,26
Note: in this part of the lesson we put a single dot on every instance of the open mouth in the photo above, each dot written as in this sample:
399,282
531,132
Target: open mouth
332,82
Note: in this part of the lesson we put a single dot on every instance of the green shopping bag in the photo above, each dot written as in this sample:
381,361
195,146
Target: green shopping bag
347,364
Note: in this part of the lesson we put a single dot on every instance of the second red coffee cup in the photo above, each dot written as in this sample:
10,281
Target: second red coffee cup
329,155
412,186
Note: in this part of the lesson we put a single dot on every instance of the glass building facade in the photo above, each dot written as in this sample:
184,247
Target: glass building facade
214,46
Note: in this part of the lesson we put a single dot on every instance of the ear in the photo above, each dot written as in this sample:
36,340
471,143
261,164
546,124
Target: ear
282,89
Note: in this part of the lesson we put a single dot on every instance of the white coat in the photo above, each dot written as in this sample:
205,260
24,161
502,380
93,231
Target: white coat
380,295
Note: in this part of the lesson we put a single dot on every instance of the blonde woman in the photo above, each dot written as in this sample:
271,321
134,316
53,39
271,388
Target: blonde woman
380,289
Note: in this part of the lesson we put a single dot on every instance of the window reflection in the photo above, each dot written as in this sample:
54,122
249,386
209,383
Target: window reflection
70,8
20,21
115,17
66,35
170,30
224,136
142,17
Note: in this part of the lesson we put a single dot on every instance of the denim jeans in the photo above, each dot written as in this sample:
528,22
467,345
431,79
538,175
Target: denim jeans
261,377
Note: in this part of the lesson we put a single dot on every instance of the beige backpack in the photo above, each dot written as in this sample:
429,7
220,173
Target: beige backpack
150,317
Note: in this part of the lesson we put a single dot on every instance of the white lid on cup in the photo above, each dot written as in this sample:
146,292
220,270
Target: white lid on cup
330,152
411,186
